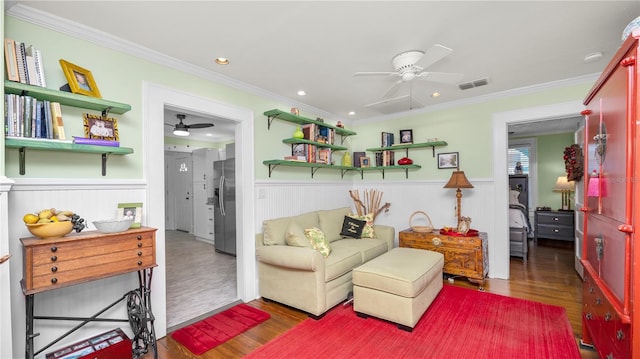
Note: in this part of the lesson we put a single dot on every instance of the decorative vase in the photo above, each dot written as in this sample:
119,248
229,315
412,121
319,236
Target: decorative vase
346,160
298,133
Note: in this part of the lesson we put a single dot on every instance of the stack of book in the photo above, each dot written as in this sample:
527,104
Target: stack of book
28,117
24,63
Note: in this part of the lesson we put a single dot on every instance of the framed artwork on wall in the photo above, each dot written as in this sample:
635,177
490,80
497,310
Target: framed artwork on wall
80,80
448,160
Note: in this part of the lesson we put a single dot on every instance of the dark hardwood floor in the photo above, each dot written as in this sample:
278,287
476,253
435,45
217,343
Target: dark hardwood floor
548,277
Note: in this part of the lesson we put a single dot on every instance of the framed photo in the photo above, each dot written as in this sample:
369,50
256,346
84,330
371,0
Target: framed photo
406,136
448,160
80,79
101,128
131,210
365,162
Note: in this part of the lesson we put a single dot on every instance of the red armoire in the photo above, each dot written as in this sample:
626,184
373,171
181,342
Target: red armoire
611,250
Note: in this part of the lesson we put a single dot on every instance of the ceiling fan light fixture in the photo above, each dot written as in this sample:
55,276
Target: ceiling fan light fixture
181,132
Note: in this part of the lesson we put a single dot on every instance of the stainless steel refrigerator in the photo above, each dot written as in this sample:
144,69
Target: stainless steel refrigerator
224,205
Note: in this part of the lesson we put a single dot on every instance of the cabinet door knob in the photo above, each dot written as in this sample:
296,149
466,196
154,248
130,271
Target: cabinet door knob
139,254
139,263
54,258
54,280
555,218
54,269
139,237
620,334
139,244
54,249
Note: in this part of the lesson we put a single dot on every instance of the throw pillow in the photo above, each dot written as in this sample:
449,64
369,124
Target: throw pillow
295,236
352,227
514,197
367,231
318,240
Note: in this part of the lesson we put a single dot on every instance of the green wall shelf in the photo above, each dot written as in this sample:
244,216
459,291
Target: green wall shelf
289,117
22,144
317,144
409,146
66,98
343,169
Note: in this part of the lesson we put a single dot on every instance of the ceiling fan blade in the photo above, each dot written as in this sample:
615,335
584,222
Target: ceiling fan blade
200,125
441,77
435,54
383,73
387,100
393,89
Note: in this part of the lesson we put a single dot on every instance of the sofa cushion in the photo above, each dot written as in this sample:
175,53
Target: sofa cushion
341,261
330,221
352,227
367,231
368,249
318,240
274,229
295,236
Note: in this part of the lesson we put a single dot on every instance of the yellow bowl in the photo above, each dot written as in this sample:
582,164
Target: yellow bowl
50,230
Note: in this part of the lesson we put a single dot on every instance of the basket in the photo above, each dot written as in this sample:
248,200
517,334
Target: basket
421,229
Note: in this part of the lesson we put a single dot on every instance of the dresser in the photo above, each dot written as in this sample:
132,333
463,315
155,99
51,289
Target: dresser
610,254
463,256
84,257
558,225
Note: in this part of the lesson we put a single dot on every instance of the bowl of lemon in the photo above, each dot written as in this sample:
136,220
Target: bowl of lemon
50,223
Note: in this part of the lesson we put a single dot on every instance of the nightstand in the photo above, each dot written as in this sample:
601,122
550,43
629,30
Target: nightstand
559,225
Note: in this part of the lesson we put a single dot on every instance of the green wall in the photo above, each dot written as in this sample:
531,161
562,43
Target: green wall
119,77
550,150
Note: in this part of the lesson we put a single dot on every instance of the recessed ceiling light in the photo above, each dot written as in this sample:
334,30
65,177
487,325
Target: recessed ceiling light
209,134
435,94
594,56
301,93
222,61
351,113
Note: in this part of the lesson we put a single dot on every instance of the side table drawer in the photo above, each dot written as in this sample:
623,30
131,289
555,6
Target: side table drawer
555,232
555,218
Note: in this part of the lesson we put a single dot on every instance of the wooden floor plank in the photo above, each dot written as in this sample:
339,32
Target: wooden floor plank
548,276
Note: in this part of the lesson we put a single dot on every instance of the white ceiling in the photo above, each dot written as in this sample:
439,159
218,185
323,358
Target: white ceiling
278,48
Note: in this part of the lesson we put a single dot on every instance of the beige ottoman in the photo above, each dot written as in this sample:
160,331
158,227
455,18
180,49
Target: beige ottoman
398,286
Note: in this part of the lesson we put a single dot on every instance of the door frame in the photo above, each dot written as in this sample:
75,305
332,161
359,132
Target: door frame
155,97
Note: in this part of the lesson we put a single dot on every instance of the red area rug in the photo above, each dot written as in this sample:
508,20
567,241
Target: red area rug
208,333
460,323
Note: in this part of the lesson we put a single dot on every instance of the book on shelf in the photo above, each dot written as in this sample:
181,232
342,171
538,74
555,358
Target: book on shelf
20,59
356,158
38,67
296,158
94,142
324,156
37,139
56,119
387,139
10,60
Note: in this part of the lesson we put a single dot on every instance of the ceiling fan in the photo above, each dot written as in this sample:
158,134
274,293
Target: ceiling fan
410,65
182,129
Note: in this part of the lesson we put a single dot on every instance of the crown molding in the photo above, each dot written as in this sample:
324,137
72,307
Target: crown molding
83,32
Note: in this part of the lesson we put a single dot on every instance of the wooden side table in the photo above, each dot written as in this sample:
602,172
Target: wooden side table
463,256
83,257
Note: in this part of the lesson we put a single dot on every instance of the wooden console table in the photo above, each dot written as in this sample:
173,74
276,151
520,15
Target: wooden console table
463,256
88,256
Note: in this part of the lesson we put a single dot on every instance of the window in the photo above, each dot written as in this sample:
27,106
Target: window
517,154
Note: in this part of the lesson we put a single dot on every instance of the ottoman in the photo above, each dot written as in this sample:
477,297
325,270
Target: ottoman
398,286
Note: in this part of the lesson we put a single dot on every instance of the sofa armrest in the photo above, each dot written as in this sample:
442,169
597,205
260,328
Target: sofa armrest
386,233
300,258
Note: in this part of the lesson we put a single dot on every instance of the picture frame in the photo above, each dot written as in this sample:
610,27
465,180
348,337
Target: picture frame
365,162
101,128
80,79
448,160
406,136
131,210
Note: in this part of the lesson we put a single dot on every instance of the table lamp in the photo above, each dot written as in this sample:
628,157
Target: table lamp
458,180
565,188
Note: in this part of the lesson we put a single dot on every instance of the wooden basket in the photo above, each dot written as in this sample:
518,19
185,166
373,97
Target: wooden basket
421,229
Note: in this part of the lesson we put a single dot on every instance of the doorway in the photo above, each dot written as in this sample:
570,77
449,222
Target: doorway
183,172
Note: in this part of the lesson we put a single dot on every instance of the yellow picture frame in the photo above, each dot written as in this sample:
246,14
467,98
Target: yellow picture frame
80,79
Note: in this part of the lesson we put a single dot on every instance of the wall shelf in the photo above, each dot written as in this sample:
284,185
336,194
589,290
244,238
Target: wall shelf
66,98
22,144
409,146
317,144
300,120
343,169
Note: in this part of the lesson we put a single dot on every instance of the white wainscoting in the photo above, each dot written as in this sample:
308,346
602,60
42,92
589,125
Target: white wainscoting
92,200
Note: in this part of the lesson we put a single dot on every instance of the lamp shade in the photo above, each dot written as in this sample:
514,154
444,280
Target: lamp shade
597,187
458,180
563,185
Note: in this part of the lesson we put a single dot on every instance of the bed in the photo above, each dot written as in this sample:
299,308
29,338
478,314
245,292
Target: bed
519,225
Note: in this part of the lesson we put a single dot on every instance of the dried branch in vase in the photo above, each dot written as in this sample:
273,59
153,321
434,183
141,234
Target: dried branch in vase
370,203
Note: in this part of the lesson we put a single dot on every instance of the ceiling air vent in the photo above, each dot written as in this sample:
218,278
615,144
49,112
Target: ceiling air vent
472,84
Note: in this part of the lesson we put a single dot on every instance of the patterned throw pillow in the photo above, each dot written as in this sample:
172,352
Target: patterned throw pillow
295,236
318,240
367,231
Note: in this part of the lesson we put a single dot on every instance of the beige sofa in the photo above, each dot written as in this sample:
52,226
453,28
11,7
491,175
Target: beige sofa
299,276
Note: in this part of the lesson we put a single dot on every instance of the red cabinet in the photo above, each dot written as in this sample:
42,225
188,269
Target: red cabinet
611,256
